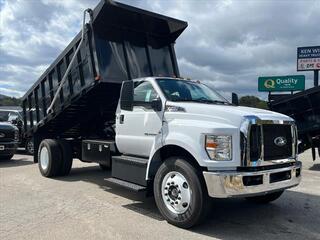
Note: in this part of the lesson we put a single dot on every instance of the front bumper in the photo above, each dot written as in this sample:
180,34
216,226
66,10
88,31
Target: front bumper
8,148
224,184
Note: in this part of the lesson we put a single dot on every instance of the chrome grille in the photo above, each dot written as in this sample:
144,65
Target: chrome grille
258,147
6,136
271,133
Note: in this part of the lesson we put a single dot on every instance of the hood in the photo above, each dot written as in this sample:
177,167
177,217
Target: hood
228,114
7,126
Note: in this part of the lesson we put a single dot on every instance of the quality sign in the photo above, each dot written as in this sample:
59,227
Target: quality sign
308,58
281,83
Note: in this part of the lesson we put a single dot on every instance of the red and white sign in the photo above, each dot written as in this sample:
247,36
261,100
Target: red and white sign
308,64
308,58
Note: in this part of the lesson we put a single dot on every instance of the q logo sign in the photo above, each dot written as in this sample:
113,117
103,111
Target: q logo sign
269,83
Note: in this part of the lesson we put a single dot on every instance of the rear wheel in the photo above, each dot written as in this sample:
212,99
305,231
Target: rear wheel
266,198
179,193
50,157
67,157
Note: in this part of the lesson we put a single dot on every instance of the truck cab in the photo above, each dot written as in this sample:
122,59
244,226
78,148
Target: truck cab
237,151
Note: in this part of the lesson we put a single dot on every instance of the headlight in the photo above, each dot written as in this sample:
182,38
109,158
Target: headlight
219,147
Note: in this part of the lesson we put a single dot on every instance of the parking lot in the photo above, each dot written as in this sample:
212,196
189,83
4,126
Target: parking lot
84,206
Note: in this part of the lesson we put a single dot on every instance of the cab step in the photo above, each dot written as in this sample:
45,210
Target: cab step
130,169
127,185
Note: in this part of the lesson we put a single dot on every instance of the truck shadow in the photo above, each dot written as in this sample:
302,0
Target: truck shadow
290,216
93,174
16,161
315,167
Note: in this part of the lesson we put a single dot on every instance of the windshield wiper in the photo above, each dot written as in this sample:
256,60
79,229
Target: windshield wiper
222,102
203,101
211,101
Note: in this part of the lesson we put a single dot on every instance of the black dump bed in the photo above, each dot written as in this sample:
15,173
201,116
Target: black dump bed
304,108
121,42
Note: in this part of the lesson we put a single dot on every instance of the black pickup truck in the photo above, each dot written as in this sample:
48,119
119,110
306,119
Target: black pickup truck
13,115
9,139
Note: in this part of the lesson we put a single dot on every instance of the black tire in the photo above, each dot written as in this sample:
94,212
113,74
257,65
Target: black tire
67,157
54,158
199,200
29,146
104,167
264,199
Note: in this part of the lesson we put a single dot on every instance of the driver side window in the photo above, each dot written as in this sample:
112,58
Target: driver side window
143,94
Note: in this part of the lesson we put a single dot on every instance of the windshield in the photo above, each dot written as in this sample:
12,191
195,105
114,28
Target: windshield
6,116
189,91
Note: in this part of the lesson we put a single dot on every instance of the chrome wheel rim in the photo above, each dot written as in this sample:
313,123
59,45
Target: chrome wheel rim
176,192
44,158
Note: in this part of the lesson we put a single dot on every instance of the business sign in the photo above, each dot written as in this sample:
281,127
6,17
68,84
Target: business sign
308,58
281,83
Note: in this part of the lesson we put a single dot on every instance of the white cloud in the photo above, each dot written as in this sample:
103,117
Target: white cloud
227,44
33,33
18,78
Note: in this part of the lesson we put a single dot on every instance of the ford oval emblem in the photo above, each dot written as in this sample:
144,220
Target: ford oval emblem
280,141
2,135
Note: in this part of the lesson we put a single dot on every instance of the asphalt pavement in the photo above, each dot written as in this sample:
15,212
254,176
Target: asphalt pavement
84,206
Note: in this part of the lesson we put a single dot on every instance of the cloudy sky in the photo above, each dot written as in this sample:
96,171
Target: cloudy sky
228,43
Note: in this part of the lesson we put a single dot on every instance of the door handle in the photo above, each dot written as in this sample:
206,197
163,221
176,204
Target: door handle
121,120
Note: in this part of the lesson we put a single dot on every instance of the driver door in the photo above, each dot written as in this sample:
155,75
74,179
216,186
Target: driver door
137,130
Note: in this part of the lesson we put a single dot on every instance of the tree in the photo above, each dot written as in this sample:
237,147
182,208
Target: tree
9,101
252,101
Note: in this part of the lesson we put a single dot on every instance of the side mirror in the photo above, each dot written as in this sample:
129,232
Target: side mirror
14,121
156,104
235,99
126,96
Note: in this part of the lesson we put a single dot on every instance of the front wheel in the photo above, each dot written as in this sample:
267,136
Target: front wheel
179,193
270,197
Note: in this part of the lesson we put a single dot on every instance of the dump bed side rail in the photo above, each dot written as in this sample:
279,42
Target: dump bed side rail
119,43
65,76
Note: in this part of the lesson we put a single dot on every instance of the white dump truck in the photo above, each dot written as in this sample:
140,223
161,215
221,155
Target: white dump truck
115,97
